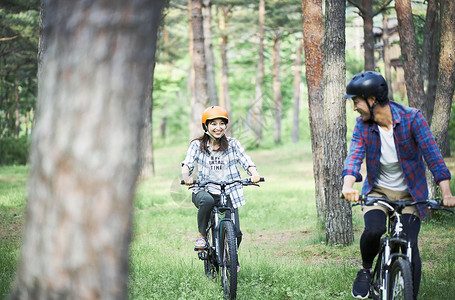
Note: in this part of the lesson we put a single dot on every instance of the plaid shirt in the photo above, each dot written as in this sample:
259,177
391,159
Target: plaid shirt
413,142
233,155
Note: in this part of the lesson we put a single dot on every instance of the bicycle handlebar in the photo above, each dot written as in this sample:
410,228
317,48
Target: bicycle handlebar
245,181
431,204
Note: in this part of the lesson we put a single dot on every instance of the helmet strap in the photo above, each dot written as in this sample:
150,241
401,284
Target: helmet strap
211,135
371,108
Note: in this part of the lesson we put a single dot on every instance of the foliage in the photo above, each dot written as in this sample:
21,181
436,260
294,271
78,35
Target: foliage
14,151
19,23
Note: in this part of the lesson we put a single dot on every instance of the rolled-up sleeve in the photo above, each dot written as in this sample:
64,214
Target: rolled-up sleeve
354,160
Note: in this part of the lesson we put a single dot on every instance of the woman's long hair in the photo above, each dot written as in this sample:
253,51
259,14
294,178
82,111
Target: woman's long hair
224,143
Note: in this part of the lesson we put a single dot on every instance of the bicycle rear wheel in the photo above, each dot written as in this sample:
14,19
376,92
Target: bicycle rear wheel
400,286
229,260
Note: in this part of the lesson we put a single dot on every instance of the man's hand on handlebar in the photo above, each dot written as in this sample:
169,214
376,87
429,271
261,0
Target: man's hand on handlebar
350,194
448,201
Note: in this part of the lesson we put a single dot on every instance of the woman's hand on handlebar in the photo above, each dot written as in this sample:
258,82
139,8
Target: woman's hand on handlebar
188,180
255,177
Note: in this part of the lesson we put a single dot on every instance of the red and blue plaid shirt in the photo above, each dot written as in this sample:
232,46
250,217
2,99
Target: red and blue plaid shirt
413,142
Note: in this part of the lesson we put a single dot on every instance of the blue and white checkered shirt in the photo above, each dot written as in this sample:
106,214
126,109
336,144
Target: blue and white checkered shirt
233,155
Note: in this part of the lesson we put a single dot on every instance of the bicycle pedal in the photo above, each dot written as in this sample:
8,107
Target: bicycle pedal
202,255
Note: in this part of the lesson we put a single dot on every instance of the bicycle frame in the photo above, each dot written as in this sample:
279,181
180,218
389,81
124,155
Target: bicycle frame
393,241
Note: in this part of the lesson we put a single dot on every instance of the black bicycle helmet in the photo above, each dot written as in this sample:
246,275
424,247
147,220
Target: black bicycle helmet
367,84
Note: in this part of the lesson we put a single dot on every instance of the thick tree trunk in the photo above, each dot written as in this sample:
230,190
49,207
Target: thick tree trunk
386,53
85,149
446,78
339,215
368,38
225,101
256,109
277,88
210,61
297,81
199,94
313,37
147,162
429,53
410,55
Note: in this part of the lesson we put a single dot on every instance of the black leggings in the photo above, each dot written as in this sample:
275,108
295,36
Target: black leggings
205,201
375,227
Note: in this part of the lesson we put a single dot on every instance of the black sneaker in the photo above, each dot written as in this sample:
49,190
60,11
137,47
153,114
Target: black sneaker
361,287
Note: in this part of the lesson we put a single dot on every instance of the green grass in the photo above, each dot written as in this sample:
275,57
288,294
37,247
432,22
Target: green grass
283,253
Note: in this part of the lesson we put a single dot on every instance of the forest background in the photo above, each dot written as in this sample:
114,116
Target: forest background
172,92
272,79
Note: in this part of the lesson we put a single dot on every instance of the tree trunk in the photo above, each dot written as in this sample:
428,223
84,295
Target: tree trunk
297,82
368,38
16,108
429,53
85,149
147,162
446,78
410,55
386,53
277,87
313,37
199,94
225,101
339,215
210,61
256,109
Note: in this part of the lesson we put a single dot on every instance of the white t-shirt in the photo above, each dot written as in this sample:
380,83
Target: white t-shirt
390,174
217,170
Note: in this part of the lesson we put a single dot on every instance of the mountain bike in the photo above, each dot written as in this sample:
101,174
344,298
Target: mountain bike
392,275
220,255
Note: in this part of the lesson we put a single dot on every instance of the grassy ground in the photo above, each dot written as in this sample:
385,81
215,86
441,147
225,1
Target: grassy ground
283,254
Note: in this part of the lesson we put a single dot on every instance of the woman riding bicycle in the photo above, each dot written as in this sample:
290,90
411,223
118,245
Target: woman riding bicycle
394,139
217,157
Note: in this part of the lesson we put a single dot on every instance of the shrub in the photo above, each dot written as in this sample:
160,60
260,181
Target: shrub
14,151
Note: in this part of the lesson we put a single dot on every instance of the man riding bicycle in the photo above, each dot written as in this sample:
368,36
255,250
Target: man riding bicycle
394,139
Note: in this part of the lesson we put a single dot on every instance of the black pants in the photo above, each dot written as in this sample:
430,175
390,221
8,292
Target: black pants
375,227
205,202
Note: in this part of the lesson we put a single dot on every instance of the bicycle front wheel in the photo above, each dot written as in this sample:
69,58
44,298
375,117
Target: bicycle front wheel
229,260
400,286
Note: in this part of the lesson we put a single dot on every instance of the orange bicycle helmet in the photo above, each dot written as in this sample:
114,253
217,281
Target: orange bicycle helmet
214,112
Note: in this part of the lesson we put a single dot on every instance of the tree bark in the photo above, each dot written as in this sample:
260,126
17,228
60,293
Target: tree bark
225,100
210,61
297,81
256,109
446,78
368,37
410,55
339,216
429,53
85,149
277,87
199,94
386,54
313,37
